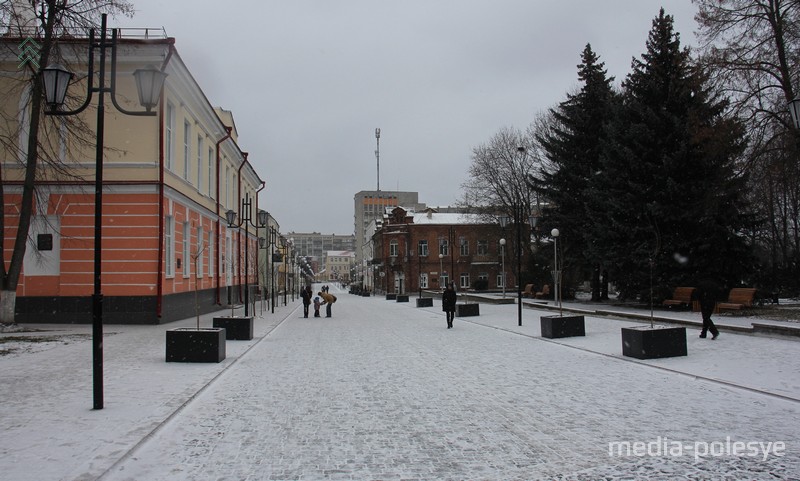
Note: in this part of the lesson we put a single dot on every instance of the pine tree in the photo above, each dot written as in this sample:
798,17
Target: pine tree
573,147
669,202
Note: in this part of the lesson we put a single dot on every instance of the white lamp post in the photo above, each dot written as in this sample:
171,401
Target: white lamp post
503,258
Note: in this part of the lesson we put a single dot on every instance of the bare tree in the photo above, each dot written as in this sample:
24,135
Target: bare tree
752,50
31,139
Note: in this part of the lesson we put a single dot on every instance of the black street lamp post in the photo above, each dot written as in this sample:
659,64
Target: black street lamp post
518,220
149,82
246,219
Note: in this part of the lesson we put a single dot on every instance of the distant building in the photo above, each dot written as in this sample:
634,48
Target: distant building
314,244
338,265
426,250
371,205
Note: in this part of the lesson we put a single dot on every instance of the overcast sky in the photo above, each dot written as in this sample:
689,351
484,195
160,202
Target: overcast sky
308,81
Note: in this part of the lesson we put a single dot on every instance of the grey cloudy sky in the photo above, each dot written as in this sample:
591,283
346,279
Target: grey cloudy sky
308,81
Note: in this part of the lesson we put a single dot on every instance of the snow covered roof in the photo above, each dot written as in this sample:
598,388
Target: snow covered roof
447,218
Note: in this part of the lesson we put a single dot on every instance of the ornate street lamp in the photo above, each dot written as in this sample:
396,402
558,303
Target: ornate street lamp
246,215
55,80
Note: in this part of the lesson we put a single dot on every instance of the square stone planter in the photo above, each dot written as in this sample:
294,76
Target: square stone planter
425,302
391,297
236,328
562,326
465,310
645,342
402,298
189,344
365,294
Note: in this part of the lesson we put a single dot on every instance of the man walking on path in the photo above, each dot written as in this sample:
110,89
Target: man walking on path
707,294
306,294
328,300
449,304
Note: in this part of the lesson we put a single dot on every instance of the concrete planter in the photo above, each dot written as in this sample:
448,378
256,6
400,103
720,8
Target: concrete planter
236,328
365,294
189,344
465,310
391,297
562,326
645,342
402,298
425,302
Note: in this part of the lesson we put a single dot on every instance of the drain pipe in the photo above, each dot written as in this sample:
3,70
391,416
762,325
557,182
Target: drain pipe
217,265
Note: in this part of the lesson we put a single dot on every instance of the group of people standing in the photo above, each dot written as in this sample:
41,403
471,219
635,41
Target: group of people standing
327,300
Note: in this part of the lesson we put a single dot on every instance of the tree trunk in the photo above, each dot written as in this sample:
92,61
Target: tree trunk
8,301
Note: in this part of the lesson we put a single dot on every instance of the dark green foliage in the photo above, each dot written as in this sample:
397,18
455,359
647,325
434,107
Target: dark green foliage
669,192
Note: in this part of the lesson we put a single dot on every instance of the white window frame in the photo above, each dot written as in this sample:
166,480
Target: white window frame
187,149
199,253
169,246
169,137
423,280
187,253
422,247
483,247
210,172
463,246
394,248
200,151
444,247
463,280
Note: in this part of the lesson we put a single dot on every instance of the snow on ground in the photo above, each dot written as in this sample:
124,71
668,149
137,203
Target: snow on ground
384,391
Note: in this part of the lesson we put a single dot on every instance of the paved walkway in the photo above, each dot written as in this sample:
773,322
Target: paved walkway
384,391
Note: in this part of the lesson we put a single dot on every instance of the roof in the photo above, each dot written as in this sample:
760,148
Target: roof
422,218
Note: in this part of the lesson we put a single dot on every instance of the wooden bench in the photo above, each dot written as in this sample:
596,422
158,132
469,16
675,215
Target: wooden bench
543,293
528,292
681,296
738,298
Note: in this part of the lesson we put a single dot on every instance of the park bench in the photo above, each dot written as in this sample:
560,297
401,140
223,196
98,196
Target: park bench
681,296
738,298
528,292
545,292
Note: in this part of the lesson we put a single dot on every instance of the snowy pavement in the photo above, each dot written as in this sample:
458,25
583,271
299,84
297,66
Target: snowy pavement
384,391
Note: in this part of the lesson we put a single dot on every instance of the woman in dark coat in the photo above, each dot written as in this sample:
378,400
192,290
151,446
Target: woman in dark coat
449,304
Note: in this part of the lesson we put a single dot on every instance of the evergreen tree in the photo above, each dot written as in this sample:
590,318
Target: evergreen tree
669,202
573,148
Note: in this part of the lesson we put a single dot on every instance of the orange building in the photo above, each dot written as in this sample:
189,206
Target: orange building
168,180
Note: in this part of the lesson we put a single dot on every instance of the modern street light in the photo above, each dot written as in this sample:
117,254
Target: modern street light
246,219
503,258
149,83
556,271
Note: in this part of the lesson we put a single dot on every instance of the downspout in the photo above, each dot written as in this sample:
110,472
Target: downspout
160,277
217,265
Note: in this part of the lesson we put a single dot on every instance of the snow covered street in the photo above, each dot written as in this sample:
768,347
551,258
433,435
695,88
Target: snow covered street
384,390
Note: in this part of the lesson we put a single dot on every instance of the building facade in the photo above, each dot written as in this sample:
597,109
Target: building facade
168,181
371,205
338,265
428,250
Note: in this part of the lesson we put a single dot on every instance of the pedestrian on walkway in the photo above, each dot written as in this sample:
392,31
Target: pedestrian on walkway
327,300
306,294
449,304
707,295
316,306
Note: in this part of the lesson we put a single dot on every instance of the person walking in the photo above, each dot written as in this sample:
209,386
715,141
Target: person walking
707,295
449,304
327,300
306,295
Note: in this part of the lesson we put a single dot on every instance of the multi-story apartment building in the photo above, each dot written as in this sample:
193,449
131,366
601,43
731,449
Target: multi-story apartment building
338,265
168,181
314,244
429,249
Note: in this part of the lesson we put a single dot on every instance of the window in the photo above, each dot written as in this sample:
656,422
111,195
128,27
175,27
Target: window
187,149
199,253
211,255
200,150
501,281
423,281
483,247
422,248
483,276
444,247
169,229
463,245
187,255
464,278
227,186
210,172
443,280
170,137
393,248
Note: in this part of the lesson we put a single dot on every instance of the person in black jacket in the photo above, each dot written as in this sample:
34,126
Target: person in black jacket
707,294
306,294
449,304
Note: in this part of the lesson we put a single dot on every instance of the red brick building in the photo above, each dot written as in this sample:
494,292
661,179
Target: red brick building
426,250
